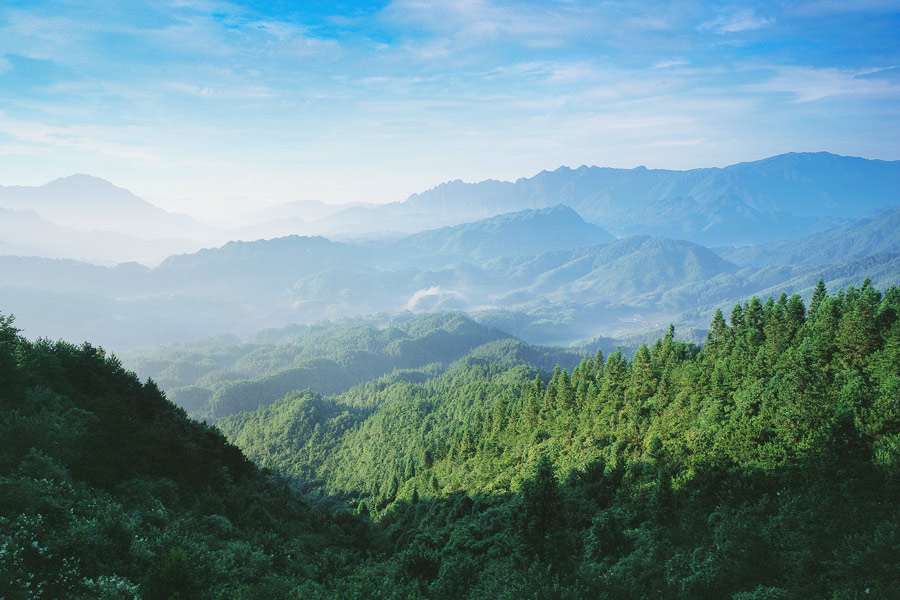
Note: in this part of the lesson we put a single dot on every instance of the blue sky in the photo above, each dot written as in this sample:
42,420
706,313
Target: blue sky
212,107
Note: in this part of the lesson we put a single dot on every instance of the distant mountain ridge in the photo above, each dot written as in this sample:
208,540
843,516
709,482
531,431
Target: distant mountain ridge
872,235
526,232
250,285
782,196
89,203
545,273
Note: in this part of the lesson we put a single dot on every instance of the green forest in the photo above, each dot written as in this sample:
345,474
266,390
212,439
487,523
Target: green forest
762,464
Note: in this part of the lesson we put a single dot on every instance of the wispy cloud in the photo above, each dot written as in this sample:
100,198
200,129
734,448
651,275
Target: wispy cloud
535,24
116,142
665,64
741,20
676,143
807,84
204,91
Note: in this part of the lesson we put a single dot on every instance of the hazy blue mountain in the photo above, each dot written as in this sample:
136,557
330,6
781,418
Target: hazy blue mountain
298,217
883,268
476,199
267,230
809,184
88,218
28,234
623,270
264,283
306,210
448,204
255,269
123,323
499,268
872,235
7,249
783,196
526,232
91,204
387,220
65,275
603,284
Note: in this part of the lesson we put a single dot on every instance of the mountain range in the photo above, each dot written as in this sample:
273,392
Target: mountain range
747,203
544,275
778,198
543,270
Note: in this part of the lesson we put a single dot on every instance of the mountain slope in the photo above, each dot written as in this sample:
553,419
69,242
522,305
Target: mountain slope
622,270
872,235
107,490
212,380
680,473
89,204
527,232
253,269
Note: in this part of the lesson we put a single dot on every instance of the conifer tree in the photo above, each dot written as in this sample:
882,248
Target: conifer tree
818,295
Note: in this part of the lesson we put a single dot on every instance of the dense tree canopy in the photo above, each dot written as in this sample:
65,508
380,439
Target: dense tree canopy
107,490
757,466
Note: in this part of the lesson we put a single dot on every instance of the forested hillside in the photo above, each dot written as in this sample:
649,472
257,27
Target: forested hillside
107,490
758,466
219,376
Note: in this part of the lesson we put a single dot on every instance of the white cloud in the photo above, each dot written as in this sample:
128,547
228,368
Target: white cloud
105,140
435,292
808,84
477,20
742,20
551,71
219,91
665,64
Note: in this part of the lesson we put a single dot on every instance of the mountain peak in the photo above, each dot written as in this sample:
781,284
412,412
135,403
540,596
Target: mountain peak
82,180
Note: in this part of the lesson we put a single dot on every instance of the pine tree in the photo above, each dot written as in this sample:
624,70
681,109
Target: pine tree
818,295
859,335
541,501
795,313
718,331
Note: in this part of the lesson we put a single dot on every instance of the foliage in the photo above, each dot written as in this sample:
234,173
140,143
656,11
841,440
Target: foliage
756,466
107,490
211,380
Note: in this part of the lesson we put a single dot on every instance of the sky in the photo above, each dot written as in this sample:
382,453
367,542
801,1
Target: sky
214,108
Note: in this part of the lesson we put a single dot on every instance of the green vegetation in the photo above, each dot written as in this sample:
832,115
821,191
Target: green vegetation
763,465
760,466
107,490
220,376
